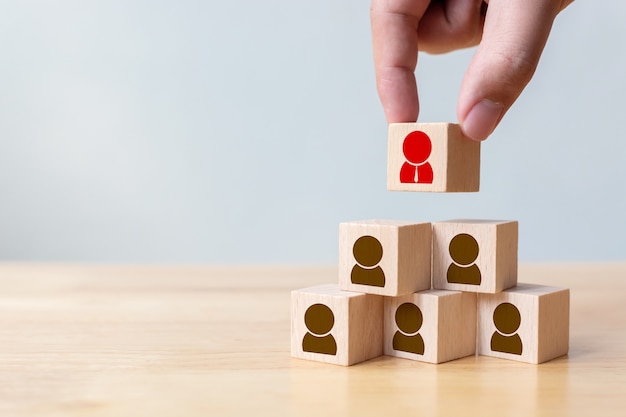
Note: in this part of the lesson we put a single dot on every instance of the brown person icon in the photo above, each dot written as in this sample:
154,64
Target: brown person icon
507,319
368,253
319,320
409,320
464,251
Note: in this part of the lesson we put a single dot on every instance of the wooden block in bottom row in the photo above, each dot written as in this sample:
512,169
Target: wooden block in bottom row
431,326
334,326
527,323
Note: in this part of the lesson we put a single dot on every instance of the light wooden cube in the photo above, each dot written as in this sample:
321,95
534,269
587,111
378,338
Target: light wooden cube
385,257
334,326
431,157
431,326
528,323
475,255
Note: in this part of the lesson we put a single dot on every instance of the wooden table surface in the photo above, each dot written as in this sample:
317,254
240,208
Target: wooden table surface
214,341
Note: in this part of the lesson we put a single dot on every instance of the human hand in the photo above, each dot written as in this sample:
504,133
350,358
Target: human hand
511,35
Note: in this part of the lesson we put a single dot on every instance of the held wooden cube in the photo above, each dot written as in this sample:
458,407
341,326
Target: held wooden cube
528,323
385,257
431,326
334,326
431,157
475,255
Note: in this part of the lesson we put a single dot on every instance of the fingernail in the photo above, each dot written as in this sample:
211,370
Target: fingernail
482,119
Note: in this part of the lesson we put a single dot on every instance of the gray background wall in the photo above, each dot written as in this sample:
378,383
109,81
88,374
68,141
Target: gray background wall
189,131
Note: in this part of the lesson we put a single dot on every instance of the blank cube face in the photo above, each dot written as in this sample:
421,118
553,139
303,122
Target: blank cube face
528,323
385,257
334,326
475,255
431,157
431,326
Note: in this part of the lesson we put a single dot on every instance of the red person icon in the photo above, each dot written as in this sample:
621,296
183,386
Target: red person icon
416,148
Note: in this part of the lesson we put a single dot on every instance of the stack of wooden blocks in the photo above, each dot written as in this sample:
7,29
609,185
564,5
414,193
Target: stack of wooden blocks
430,292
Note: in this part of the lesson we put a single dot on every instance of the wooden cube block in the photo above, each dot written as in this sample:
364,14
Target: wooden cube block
475,255
385,257
431,326
431,157
528,323
334,326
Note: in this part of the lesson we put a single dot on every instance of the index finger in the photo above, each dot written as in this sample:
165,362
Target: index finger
394,36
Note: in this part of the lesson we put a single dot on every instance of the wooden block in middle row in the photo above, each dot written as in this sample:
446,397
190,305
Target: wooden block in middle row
385,257
431,326
431,157
475,255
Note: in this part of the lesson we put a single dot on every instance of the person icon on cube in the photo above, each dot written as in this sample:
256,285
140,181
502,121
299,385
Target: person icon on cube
507,319
416,147
368,252
464,252
319,320
409,321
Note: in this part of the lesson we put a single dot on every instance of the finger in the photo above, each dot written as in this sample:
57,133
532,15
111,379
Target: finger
451,25
394,35
565,3
514,36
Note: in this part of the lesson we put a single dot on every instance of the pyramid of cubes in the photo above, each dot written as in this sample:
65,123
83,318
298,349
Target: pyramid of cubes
429,291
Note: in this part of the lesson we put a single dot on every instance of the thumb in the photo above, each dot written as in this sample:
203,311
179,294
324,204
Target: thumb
514,36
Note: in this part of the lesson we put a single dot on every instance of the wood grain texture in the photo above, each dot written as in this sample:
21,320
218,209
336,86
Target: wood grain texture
406,255
496,260
214,341
454,159
544,326
357,329
448,328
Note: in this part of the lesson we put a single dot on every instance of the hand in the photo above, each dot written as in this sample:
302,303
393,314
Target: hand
511,35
